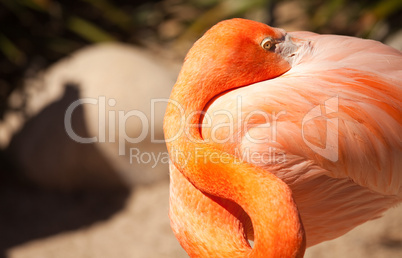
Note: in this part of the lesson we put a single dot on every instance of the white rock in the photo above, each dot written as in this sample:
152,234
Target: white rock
116,79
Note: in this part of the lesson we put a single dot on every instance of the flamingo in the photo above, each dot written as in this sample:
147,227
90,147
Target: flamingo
327,110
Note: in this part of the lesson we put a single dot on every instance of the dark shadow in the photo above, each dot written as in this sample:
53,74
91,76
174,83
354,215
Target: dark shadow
44,153
391,243
29,213
51,184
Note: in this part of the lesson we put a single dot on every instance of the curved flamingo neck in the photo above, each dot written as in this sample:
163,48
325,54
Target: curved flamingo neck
278,231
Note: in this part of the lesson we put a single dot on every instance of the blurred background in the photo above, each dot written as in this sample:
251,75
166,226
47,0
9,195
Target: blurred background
60,198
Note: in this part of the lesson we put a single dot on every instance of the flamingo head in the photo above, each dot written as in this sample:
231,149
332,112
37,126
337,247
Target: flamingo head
236,53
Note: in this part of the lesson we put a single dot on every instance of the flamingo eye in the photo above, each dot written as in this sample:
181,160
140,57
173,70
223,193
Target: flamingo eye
268,44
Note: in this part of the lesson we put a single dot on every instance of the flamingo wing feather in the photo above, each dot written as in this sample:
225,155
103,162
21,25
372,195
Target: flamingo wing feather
364,79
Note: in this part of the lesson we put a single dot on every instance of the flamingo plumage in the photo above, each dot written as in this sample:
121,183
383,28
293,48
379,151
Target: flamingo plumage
282,92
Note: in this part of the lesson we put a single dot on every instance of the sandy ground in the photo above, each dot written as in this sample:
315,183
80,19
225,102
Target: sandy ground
135,224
